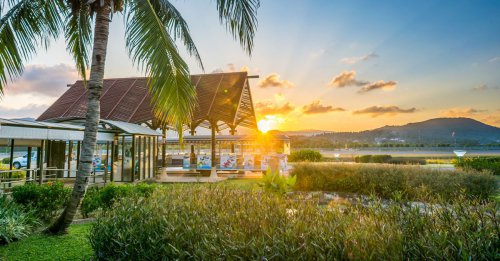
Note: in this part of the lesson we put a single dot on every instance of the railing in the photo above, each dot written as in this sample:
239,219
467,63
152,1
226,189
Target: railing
7,182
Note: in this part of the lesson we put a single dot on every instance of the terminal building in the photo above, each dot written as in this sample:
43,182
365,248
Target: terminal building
132,145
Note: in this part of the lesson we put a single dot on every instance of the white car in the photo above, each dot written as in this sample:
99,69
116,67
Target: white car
21,162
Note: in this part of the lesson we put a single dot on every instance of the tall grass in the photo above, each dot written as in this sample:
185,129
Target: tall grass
216,222
412,182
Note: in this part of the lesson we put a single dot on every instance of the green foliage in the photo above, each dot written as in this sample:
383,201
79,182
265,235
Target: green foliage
104,197
275,182
15,222
414,183
380,158
305,155
14,175
218,223
407,161
480,163
46,200
5,161
363,159
71,246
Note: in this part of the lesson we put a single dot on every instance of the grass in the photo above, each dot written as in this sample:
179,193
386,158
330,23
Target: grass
72,246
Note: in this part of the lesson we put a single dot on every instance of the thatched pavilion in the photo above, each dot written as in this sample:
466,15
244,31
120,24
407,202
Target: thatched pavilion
224,102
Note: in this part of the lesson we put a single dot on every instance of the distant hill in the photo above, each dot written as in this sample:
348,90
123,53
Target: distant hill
463,131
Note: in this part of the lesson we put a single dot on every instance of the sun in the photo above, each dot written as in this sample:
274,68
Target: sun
269,122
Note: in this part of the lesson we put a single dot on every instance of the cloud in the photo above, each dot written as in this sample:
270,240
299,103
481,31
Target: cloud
484,87
378,85
354,60
31,110
318,53
273,80
268,108
43,80
390,110
461,112
346,78
494,59
316,108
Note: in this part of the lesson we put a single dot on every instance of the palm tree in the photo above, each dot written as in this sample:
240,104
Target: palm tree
152,28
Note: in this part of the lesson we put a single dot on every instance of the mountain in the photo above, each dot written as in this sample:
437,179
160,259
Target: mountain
434,131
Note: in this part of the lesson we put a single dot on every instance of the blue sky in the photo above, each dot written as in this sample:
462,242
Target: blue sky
414,60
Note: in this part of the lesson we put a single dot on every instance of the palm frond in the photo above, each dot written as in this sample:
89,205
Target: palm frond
78,34
27,25
240,18
176,26
153,50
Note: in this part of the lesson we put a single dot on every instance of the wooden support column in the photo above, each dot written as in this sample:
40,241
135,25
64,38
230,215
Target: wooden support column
11,162
232,131
192,155
28,164
70,151
164,148
213,126
41,160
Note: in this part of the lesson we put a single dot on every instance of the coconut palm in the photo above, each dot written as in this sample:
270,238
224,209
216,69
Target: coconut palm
152,28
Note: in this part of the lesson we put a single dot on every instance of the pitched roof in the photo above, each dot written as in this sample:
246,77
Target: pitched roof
224,97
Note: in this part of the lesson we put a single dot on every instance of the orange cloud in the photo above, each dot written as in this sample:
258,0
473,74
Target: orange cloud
461,112
378,85
389,110
354,60
268,108
273,80
346,78
316,108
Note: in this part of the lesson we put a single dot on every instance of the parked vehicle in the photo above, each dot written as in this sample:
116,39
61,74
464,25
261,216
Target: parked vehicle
22,162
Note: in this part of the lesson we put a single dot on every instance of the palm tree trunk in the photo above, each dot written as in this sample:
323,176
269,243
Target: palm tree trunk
101,33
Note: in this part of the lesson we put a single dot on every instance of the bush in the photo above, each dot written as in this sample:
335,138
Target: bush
380,158
218,223
5,161
15,222
305,155
363,159
275,182
104,197
46,200
14,175
414,183
407,161
480,163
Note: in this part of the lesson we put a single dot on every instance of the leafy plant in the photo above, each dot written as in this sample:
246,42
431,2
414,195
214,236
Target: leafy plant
415,183
46,200
215,222
480,163
103,198
15,222
305,155
275,182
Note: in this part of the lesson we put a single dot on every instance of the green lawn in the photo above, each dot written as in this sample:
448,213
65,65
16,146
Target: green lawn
72,246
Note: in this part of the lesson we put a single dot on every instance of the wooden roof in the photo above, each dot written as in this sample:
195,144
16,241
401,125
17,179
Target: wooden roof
222,97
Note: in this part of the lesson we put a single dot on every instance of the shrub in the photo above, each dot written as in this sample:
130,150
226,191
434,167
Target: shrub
407,161
14,174
363,159
46,200
218,223
15,222
5,161
305,155
104,197
480,163
275,182
380,158
414,183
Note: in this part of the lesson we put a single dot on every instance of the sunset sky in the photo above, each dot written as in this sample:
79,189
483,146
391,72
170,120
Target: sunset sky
328,65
